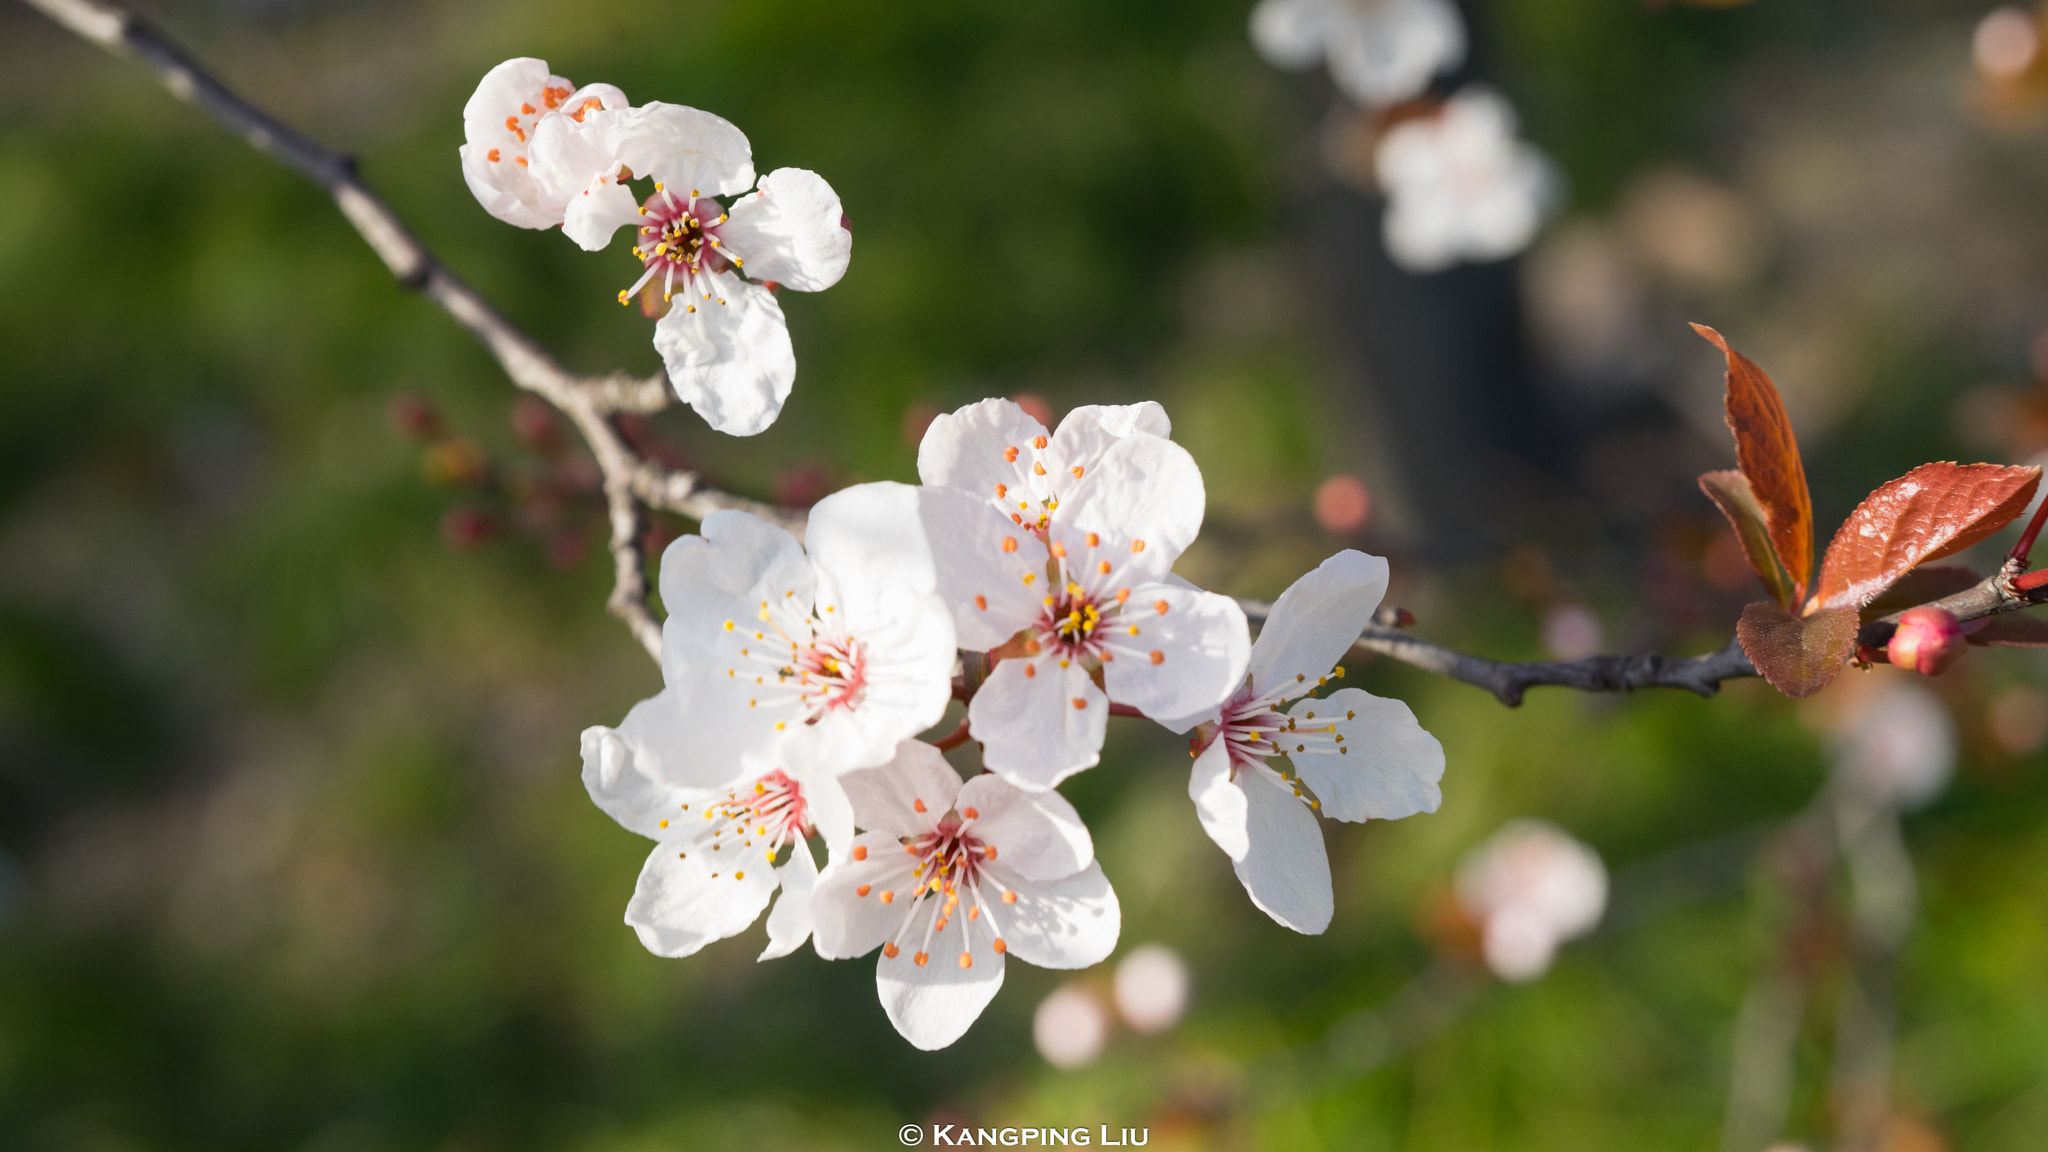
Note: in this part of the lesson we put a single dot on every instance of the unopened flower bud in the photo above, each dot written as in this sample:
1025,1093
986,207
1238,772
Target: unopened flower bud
533,421
1928,640
413,416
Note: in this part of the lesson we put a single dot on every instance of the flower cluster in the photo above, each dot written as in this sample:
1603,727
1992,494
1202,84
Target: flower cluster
544,153
1459,184
1030,574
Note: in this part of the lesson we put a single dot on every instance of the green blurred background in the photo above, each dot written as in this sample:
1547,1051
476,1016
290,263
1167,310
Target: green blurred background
293,853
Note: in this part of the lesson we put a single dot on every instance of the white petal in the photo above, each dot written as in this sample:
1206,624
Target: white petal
1286,870
908,646
1388,51
1390,767
573,168
735,561
505,190
1038,835
597,212
1088,431
1144,488
828,809
790,231
1038,727
848,924
789,923
663,738
1290,33
906,796
933,1004
868,539
1318,618
981,565
1219,803
623,789
689,150
730,358
680,904
965,449
1202,641
1067,923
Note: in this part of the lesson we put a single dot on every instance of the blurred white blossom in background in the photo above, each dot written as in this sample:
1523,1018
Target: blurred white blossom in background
1152,988
1461,185
1378,51
1531,887
1895,742
1070,1027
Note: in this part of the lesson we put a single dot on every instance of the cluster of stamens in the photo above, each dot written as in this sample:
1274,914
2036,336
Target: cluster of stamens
680,241
1254,729
950,870
767,814
795,656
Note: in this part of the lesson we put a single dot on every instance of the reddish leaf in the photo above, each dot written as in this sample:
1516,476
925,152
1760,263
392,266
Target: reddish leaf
1923,585
1731,492
1799,655
1933,511
1769,456
2010,631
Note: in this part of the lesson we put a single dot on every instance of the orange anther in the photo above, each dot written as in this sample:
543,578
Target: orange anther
1080,703
1009,897
1077,471
890,950
519,160
1059,549
527,109
917,804
1030,670
1160,606
921,959
1123,594
888,897
1002,490
1102,566
863,890
988,852
981,602
1009,543
1038,442
1137,545
1010,454
492,155
860,851
999,946
1158,657
970,813
1093,539
1038,468
966,961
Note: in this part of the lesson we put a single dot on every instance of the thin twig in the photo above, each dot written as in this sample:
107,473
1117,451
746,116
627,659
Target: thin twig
634,484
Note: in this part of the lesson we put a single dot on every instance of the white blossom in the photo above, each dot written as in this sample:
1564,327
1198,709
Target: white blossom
949,880
775,656
1896,743
1379,51
1531,887
1460,185
714,867
1268,767
1058,556
500,125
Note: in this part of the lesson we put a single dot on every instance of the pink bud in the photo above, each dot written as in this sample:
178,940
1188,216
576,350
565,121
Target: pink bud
1928,641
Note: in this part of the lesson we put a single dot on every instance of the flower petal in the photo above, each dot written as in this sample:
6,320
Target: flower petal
1038,835
505,189
496,127
680,904
967,449
1187,656
828,810
982,567
1088,431
849,922
729,355
1388,51
867,539
1286,870
623,789
691,151
934,1003
1290,33
1315,622
789,923
1219,802
1389,768
1040,726
662,737
1072,922
791,230
1144,488
906,796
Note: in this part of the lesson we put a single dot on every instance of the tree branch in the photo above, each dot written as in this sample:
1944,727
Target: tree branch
634,484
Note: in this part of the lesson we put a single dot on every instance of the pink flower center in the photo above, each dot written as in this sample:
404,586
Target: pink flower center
950,869
1254,731
749,827
679,242
799,658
